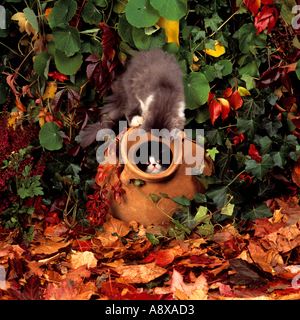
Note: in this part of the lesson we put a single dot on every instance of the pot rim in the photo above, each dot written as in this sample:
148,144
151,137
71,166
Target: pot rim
134,145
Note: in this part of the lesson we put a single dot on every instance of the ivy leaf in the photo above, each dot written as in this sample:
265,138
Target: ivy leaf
251,108
258,212
213,22
271,125
199,197
184,201
196,90
141,14
154,197
214,136
260,169
227,67
219,195
266,144
248,40
62,12
248,126
280,157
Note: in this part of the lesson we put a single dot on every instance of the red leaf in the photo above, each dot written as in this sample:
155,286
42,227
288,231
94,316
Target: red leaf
31,290
210,96
161,258
254,154
236,100
288,102
265,19
225,107
108,39
57,100
286,80
215,110
268,77
253,5
227,92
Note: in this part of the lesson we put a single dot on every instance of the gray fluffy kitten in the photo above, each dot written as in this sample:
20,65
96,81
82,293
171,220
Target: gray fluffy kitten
149,94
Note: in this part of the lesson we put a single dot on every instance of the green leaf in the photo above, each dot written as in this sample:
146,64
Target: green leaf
219,195
250,82
250,66
213,22
32,19
144,42
251,108
260,169
62,12
202,114
41,64
248,126
199,197
67,65
280,157
227,67
258,212
206,230
297,70
202,214
209,72
91,14
125,30
119,6
184,201
170,9
140,13
266,144
214,136
248,40
212,152
228,210
196,90
152,238
66,38
50,136
271,125
154,197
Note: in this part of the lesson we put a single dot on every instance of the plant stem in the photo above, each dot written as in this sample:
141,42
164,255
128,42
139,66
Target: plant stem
4,45
236,178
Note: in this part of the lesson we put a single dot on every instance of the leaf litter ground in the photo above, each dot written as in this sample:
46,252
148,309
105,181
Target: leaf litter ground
260,262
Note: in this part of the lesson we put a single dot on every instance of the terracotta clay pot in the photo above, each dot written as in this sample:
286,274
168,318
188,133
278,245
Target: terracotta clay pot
174,181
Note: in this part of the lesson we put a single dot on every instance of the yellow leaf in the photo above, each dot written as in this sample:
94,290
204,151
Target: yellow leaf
23,23
50,91
171,28
243,92
219,50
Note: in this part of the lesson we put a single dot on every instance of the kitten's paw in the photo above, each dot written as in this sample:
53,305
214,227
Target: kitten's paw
136,121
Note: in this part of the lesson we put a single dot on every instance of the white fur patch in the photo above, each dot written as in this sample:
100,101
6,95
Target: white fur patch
136,121
181,109
145,105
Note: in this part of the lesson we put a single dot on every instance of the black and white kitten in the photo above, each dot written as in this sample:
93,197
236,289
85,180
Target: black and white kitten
149,94
158,159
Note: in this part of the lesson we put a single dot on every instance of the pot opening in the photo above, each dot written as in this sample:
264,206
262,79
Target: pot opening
153,157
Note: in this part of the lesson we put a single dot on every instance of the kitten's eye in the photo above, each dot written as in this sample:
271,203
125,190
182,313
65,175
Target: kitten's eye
158,161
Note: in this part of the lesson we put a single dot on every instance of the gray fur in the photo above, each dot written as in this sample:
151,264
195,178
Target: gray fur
149,73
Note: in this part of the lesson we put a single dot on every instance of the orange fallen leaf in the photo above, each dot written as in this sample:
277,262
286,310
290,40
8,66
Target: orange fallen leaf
140,273
113,225
83,258
47,246
183,291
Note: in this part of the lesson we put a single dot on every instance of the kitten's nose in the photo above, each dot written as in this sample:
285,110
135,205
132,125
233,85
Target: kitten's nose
154,164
